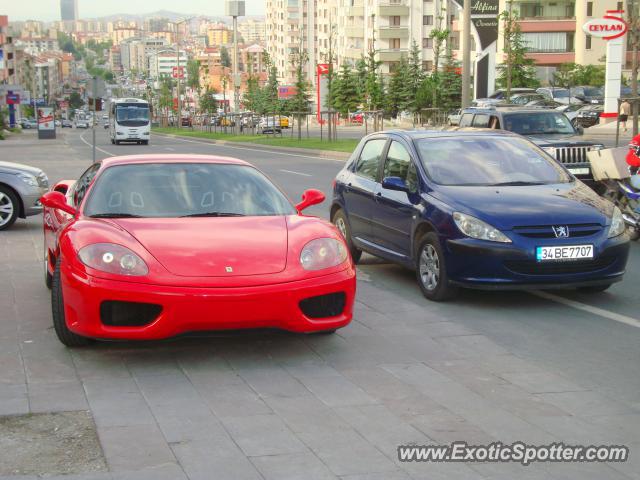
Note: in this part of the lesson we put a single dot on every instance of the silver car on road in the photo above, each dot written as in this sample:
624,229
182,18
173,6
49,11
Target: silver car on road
21,187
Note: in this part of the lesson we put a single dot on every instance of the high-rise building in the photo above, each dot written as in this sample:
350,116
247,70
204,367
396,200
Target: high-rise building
252,31
68,10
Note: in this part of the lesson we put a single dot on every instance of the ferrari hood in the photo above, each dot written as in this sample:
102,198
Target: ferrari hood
213,246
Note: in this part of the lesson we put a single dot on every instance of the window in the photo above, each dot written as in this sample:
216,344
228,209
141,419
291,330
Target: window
397,163
589,9
394,43
394,21
465,120
369,160
481,121
427,65
427,43
80,188
588,42
412,178
427,19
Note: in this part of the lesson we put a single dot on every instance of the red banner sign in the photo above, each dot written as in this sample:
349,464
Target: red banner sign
177,72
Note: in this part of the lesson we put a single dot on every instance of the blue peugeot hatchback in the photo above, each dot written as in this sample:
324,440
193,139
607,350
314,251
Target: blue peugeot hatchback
478,209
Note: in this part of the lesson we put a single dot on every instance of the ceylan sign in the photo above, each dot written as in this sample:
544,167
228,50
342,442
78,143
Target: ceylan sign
608,27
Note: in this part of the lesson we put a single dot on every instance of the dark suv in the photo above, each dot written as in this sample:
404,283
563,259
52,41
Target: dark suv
551,130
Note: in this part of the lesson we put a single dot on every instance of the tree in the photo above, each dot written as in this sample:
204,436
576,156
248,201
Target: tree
270,92
75,101
165,98
252,98
415,74
439,35
450,83
399,96
346,97
300,101
193,74
571,74
225,58
517,70
374,84
208,102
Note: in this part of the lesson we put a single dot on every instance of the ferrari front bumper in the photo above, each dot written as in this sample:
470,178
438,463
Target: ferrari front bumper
190,309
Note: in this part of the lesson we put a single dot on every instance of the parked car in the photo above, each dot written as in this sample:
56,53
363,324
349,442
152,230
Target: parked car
67,123
589,116
499,96
546,103
593,95
186,122
571,112
57,123
560,95
453,118
549,129
284,121
29,123
21,187
269,125
479,209
525,98
356,117
82,123
116,243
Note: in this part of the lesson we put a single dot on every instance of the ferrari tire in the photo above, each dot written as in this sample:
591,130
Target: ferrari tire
431,270
342,224
66,336
48,278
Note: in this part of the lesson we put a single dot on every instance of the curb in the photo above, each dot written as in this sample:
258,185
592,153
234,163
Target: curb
302,151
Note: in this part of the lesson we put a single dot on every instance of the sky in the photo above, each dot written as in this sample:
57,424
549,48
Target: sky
49,10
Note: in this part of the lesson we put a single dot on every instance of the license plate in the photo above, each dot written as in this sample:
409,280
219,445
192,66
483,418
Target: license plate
568,252
579,171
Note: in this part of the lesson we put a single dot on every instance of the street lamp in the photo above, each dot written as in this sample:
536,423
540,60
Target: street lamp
235,9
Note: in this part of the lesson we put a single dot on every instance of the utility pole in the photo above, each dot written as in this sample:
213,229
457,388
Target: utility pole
508,30
466,54
634,24
93,122
235,9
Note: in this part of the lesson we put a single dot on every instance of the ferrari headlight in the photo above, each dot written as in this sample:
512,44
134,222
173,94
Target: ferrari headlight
112,258
323,253
475,228
28,179
618,226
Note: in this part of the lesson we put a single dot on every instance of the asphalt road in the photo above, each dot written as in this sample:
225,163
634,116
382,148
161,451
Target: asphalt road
537,367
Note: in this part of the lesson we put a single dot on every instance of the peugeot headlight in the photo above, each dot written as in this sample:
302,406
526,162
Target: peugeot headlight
28,179
323,253
475,228
112,258
618,226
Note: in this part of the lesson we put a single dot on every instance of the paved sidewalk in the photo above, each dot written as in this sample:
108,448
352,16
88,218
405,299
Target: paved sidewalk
282,406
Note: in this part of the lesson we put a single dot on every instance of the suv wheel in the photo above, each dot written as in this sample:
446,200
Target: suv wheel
340,221
9,207
431,270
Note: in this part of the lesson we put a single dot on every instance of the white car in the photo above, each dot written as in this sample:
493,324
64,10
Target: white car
269,125
454,118
571,111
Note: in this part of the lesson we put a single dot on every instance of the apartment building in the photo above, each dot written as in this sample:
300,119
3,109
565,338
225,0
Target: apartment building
68,10
36,45
252,31
219,35
136,52
552,30
161,63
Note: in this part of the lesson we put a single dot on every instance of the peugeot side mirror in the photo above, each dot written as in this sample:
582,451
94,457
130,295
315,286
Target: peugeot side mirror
58,201
394,183
310,197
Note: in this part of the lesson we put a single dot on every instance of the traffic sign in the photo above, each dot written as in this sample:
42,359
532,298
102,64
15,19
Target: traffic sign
323,69
177,72
13,99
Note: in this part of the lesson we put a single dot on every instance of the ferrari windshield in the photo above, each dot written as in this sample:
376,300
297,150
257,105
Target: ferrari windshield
170,190
488,161
538,123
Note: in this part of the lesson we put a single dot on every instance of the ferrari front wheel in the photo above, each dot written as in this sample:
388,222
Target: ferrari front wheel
66,336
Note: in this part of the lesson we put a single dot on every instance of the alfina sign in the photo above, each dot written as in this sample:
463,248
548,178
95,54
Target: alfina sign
608,27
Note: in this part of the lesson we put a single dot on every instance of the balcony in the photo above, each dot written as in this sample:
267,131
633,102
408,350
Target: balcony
354,32
355,11
393,32
354,52
392,54
393,8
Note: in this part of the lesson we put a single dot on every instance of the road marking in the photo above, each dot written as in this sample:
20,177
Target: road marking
226,145
296,173
170,149
97,148
616,317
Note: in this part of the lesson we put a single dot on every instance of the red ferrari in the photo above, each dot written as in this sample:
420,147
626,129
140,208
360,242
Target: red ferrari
152,246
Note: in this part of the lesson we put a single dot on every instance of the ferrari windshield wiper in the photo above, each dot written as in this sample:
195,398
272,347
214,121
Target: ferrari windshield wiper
508,184
115,215
214,214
